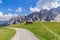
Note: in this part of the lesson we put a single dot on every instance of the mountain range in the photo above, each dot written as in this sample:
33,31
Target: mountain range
43,15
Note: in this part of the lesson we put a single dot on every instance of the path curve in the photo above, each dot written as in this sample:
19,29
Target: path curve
23,34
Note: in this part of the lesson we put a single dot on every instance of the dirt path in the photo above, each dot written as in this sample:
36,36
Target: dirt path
23,34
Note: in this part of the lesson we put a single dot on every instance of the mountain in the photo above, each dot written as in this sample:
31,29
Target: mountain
58,9
3,23
45,15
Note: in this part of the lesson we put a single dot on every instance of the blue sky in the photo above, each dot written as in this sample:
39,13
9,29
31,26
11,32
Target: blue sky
10,6
22,7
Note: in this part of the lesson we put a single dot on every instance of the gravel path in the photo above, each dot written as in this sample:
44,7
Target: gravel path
23,34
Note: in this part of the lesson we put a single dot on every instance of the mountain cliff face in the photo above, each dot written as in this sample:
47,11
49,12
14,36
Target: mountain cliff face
45,15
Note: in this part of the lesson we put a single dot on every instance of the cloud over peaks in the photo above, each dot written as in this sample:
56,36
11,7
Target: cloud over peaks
7,16
34,9
45,4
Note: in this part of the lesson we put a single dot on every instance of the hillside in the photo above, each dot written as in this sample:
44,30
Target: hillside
43,30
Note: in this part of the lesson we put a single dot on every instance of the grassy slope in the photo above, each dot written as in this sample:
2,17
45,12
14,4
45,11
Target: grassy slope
40,31
6,34
55,26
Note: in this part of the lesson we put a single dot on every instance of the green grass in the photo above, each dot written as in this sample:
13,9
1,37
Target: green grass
38,29
55,26
6,33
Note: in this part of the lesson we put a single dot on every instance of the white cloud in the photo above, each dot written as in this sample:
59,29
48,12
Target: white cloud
0,1
1,13
34,9
15,15
7,16
10,15
45,4
18,10
26,14
9,9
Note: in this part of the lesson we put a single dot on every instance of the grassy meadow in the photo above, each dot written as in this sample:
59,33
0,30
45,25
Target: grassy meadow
6,34
42,30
